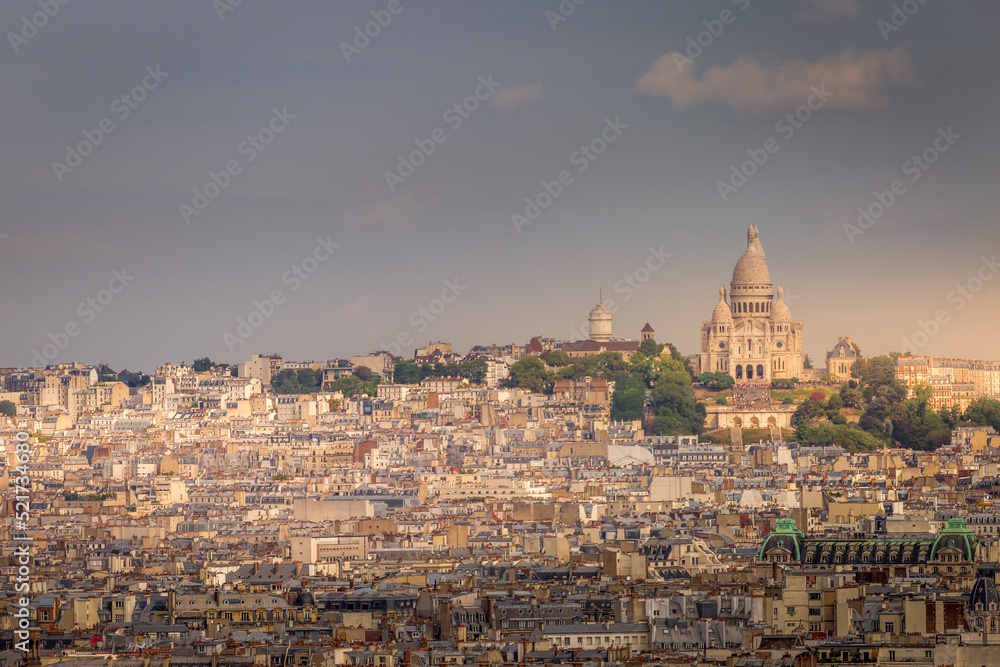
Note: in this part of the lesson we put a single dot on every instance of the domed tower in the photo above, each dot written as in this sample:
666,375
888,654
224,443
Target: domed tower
983,608
723,314
716,338
786,340
780,312
600,323
751,290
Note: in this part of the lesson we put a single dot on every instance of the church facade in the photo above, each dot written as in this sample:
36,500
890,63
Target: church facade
751,335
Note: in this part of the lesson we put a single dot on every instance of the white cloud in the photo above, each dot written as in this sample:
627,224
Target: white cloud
857,81
823,11
511,98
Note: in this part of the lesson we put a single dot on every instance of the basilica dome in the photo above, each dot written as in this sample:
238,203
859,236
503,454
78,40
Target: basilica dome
752,266
780,310
722,312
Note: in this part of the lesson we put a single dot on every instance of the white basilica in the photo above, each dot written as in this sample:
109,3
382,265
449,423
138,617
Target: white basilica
752,336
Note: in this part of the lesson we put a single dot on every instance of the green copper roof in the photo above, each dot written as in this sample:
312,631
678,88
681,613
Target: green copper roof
785,535
956,534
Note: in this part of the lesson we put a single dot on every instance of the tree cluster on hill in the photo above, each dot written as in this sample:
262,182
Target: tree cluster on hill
888,416
301,381
658,371
717,380
407,371
132,379
202,364
361,381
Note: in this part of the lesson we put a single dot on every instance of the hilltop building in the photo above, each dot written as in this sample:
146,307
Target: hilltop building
840,360
751,335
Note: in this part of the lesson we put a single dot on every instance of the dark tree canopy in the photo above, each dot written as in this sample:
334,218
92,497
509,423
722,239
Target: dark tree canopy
650,348
983,412
301,381
407,371
629,400
717,380
202,364
557,358
530,373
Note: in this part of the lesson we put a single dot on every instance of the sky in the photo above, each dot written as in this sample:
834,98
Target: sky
192,178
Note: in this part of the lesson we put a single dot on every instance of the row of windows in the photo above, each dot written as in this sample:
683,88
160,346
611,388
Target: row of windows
753,307
617,640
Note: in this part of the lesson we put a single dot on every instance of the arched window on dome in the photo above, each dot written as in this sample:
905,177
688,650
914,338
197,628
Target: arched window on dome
756,307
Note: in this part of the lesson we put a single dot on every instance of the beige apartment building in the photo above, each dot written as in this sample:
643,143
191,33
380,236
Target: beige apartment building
954,382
